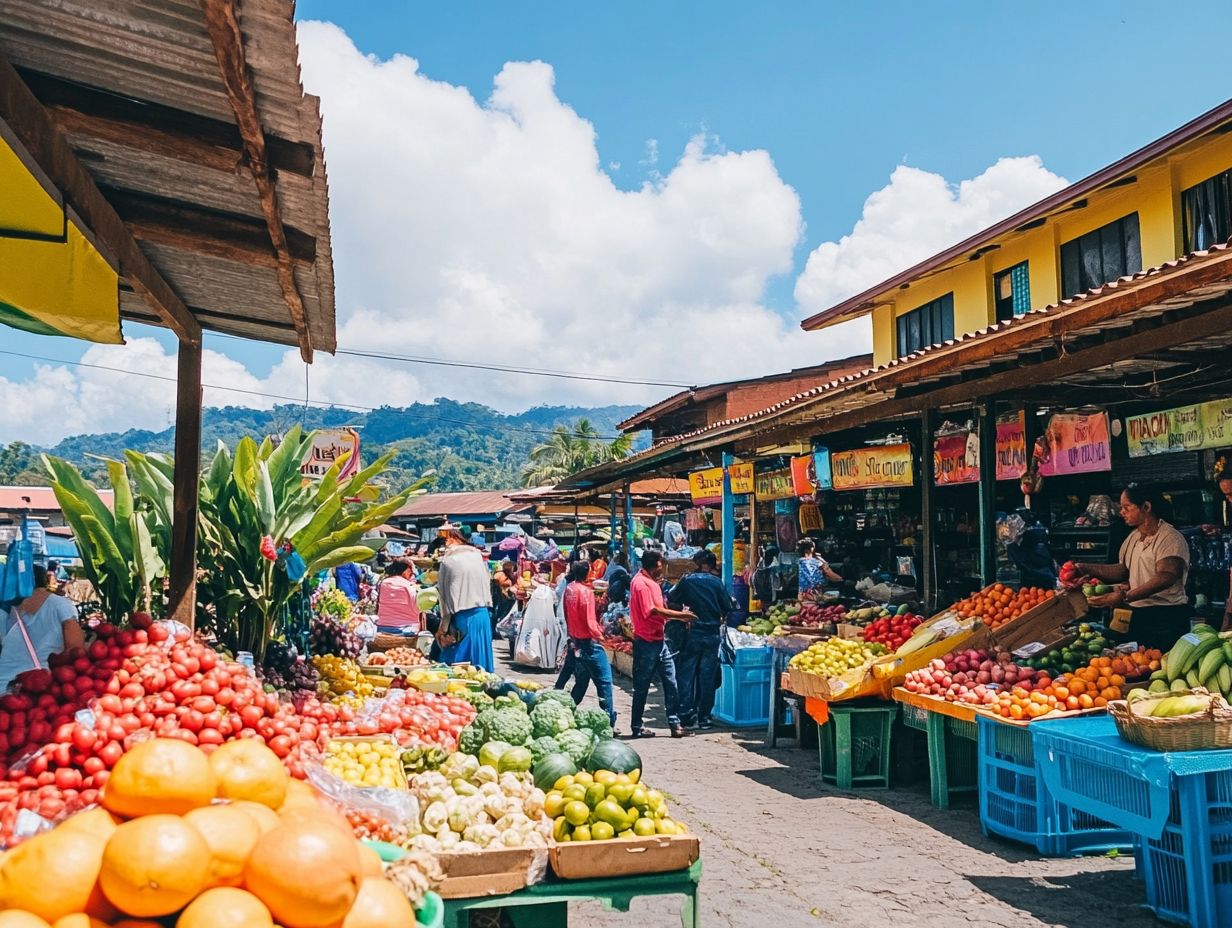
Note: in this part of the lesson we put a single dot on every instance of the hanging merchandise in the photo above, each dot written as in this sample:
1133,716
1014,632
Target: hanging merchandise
774,484
956,458
821,468
811,519
1012,448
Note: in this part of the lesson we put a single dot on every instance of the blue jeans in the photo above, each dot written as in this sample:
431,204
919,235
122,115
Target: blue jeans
592,664
651,658
699,676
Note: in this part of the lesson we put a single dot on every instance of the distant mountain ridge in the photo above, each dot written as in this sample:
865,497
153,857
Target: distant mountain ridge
471,446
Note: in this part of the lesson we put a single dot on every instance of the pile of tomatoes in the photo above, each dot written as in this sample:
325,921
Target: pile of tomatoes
999,604
58,745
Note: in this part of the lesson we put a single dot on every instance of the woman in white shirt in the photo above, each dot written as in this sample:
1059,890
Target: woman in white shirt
40,625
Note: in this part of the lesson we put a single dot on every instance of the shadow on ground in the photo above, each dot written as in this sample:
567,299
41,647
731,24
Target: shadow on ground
1050,898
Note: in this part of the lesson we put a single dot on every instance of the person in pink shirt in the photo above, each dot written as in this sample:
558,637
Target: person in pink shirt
651,655
397,609
586,640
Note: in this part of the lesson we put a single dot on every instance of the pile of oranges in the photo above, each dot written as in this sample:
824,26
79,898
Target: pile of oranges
998,604
1091,687
224,841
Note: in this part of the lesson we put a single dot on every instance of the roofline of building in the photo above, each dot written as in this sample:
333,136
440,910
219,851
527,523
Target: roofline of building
861,303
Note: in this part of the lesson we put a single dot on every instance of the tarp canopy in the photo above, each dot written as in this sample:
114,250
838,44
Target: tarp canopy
52,280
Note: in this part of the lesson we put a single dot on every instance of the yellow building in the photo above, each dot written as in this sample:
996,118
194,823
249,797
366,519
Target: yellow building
1170,198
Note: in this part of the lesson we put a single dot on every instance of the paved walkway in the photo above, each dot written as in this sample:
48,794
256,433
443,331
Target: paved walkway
780,849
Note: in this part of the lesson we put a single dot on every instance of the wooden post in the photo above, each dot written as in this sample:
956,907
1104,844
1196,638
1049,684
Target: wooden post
927,518
629,540
988,490
182,606
613,541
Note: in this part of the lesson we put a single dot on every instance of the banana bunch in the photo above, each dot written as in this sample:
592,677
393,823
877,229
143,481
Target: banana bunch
1170,706
1201,658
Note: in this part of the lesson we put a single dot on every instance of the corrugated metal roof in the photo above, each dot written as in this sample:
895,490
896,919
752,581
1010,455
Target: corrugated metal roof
461,504
41,499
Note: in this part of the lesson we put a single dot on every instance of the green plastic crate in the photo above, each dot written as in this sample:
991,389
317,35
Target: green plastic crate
854,746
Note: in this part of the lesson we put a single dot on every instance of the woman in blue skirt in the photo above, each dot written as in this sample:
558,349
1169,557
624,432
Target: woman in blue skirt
465,590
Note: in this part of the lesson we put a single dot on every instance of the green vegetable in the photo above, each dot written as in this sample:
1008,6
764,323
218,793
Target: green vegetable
552,767
541,747
491,753
595,720
516,760
613,755
549,719
479,699
576,743
509,701
512,725
471,739
559,696
483,720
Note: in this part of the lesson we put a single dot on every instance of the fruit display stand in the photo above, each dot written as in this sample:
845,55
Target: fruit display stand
1016,801
952,735
1176,804
546,905
781,717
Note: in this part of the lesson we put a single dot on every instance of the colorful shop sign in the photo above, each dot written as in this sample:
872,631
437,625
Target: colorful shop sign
872,468
1011,448
706,486
1185,428
803,475
329,446
821,468
1075,443
1217,424
773,484
956,458
741,478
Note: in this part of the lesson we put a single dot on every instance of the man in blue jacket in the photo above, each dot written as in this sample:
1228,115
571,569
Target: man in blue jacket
697,664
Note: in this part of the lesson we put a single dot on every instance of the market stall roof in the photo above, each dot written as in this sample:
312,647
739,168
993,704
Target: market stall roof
650,488
1214,120
1167,319
447,505
179,133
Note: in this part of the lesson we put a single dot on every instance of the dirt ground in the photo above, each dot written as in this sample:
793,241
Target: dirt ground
781,849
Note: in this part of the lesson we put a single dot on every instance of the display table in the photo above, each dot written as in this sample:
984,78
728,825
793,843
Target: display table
546,905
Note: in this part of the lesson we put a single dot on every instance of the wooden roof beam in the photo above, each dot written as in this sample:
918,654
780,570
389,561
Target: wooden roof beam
38,132
222,21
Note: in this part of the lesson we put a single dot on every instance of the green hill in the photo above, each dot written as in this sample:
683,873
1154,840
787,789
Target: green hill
471,446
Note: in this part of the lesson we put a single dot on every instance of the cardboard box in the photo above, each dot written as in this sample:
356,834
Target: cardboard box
624,856
486,872
676,567
956,710
849,631
1044,619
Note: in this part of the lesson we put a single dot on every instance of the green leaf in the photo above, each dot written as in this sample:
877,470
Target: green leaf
356,553
264,494
68,476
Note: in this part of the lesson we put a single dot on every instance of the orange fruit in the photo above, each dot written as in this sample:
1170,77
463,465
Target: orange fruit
226,907
247,769
137,923
300,793
326,815
96,821
17,918
162,776
154,865
231,835
371,861
306,872
265,817
79,920
380,903
54,874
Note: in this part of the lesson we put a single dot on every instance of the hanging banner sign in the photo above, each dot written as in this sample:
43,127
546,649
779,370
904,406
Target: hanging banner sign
1075,443
1011,449
872,468
821,468
810,518
774,484
1217,424
328,447
1148,434
741,478
956,459
803,479
706,486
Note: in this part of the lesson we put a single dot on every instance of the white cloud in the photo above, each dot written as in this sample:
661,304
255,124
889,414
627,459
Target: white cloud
914,216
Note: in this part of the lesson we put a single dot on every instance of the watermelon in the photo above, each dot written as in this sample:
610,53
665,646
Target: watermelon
613,755
551,767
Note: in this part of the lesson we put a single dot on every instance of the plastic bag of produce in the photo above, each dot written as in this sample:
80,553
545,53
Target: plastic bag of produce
508,627
542,634
397,806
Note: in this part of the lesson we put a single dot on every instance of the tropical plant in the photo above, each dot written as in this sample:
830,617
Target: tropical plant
569,450
124,548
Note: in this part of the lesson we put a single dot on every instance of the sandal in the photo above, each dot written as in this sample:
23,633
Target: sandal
642,733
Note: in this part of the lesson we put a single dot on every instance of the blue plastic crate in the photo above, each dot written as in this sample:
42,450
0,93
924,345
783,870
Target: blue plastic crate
743,700
754,657
1015,802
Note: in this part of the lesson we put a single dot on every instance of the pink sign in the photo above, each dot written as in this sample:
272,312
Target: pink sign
1074,443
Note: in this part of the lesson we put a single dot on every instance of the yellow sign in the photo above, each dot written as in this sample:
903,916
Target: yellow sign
328,447
741,478
871,468
774,484
706,486
1217,424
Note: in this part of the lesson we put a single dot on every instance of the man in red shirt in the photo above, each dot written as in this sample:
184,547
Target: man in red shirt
650,653
586,640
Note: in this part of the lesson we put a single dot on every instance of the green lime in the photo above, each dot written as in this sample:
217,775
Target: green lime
595,794
575,793
602,831
554,804
577,812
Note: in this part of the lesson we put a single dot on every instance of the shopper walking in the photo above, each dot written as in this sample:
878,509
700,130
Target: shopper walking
1150,575
697,666
586,641
397,607
651,656
465,631
42,624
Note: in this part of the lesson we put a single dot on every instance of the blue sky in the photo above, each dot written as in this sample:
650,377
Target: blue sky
839,96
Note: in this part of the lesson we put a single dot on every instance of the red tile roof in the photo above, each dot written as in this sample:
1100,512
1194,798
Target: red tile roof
461,504
41,499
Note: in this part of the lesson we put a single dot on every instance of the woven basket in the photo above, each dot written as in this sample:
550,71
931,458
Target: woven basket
383,642
1199,732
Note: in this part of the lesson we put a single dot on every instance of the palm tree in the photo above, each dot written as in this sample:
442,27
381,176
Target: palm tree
569,450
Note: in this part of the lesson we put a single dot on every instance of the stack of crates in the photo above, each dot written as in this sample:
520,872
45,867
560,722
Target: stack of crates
1015,802
743,700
